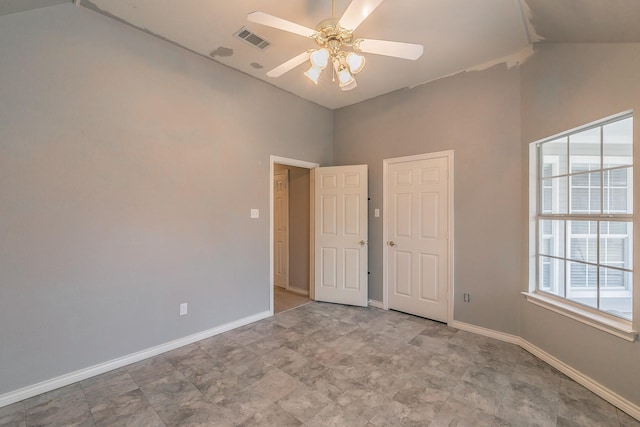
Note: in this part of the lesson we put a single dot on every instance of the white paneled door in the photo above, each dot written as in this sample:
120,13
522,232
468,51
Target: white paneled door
281,228
341,201
417,223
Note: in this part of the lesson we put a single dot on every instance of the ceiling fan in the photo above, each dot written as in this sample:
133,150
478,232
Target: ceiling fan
336,45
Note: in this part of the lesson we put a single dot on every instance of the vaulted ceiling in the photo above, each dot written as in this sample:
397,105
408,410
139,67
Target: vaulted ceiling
457,35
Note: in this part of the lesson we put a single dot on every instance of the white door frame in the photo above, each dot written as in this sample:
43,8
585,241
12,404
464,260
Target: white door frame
300,164
385,228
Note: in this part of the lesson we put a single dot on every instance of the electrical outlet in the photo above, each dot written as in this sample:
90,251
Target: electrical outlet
255,213
467,297
376,213
183,309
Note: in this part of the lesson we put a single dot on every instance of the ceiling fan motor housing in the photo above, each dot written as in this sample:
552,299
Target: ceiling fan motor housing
330,35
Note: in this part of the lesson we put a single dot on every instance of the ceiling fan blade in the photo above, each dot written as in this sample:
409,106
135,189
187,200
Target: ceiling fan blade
279,23
357,12
395,49
290,64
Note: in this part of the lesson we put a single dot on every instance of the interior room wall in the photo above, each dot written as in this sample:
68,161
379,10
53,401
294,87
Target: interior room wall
476,114
128,168
299,226
565,86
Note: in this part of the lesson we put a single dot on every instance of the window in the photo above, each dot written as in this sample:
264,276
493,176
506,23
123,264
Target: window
584,217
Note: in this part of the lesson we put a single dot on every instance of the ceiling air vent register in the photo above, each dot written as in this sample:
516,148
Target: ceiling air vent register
252,38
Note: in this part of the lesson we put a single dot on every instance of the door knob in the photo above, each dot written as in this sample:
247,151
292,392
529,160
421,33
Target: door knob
392,243
362,242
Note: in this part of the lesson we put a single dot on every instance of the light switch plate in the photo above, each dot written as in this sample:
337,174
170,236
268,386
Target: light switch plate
376,213
183,309
255,213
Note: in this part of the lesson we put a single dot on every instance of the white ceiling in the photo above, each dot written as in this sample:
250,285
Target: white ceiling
457,34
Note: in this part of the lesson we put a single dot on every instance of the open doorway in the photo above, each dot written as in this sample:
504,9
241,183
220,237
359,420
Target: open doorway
291,244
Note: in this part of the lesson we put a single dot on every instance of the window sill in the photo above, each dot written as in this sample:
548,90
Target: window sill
618,327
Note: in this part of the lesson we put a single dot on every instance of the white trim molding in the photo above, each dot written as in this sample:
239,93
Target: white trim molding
589,383
490,333
300,164
295,290
82,374
613,326
101,368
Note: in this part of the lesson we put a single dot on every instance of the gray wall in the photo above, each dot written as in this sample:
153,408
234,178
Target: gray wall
299,226
565,86
121,157
477,115
489,118
121,161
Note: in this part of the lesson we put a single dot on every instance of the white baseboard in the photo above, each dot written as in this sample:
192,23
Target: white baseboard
513,339
589,383
376,304
83,374
297,291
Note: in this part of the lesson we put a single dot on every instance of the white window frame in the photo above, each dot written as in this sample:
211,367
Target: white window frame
601,320
579,292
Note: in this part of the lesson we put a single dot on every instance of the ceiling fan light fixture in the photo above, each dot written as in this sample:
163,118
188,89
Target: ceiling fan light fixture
344,77
320,58
336,44
350,86
355,62
313,73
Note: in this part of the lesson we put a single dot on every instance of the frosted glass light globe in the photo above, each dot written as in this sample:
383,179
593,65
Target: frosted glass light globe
355,62
320,58
313,73
345,77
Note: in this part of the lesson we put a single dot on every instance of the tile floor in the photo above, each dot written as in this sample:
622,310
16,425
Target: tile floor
328,365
